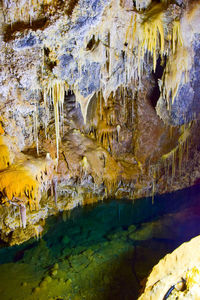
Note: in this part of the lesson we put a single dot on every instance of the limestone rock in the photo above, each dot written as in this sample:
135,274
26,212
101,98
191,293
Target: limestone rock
181,264
184,67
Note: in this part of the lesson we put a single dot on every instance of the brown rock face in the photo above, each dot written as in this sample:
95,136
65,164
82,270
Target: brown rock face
86,99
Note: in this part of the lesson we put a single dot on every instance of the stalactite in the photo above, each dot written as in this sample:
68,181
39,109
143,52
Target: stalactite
106,134
173,163
55,89
151,38
38,231
135,126
128,38
187,148
24,10
177,40
145,34
154,173
36,129
180,156
85,167
168,167
177,67
110,187
55,186
170,132
57,124
142,4
22,208
124,105
118,132
52,190
175,156
100,103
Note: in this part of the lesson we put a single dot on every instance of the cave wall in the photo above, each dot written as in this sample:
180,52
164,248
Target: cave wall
98,99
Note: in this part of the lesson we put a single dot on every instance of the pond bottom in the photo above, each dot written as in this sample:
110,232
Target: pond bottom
99,253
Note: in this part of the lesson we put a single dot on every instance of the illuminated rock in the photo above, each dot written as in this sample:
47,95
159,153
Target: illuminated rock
177,275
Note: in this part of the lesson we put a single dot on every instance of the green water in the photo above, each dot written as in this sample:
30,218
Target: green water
100,252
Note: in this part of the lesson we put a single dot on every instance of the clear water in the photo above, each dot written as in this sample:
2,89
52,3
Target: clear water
99,252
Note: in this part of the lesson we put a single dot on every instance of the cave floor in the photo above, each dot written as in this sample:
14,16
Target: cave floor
104,251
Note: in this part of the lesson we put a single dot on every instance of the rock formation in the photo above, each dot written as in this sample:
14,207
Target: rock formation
98,99
177,275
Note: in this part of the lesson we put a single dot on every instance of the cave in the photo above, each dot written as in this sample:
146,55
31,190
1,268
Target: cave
99,149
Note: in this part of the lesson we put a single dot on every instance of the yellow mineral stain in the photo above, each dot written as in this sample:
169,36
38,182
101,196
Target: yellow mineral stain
18,184
176,36
23,183
147,35
177,66
152,37
192,278
4,155
1,130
